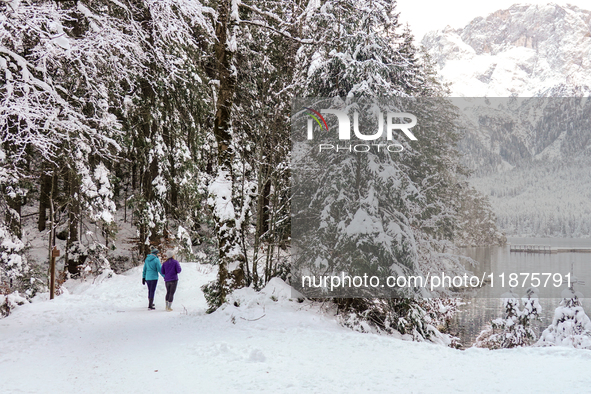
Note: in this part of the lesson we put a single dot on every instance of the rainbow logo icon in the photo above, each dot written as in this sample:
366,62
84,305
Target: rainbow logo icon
315,115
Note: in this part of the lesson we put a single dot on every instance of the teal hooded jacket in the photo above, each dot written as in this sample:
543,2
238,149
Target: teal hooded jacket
152,268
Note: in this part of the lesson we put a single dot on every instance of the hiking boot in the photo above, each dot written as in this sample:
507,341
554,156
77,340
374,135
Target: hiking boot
151,303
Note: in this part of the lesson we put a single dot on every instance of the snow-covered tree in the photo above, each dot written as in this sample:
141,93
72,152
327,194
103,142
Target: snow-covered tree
54,119
165,112
100,96
477,222
256,43
376,213
360,50
265,84
162,106
570,326
514,328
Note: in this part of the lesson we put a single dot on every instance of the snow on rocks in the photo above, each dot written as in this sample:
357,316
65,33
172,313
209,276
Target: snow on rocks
526,50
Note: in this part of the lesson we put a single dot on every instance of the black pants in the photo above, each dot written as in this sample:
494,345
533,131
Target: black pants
170,289
151,288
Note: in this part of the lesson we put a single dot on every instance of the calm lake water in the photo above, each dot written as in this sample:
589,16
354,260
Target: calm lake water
487,305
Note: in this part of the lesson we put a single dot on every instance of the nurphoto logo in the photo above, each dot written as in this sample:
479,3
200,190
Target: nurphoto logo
344,130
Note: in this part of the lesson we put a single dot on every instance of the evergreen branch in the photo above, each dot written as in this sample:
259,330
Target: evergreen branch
263,13
282,33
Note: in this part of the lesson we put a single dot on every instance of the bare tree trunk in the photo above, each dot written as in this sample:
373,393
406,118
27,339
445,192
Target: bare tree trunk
262,218
148,173
73,219
13,213
52,226
44,190
263,206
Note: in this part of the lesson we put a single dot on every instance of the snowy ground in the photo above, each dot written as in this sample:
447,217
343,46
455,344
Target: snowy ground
100,338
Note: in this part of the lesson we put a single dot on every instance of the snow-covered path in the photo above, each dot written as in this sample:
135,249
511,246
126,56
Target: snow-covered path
101,338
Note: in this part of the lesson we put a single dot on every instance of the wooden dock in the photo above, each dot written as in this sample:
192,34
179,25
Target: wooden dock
546,249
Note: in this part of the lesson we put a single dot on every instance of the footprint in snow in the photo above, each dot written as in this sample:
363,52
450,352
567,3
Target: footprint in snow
256,356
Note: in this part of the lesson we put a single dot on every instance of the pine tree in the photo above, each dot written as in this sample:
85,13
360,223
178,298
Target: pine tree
166,116
375,213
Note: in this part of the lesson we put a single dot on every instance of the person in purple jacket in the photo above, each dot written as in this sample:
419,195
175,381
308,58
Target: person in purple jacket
170,269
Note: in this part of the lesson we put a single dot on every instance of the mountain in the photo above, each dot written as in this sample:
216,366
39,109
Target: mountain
526,50
504,133
527,139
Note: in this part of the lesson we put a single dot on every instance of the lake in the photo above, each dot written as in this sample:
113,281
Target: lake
486,305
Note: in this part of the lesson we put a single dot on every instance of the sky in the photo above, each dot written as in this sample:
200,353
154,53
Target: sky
426,15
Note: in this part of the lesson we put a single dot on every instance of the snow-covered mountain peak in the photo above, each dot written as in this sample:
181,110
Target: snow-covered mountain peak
526,50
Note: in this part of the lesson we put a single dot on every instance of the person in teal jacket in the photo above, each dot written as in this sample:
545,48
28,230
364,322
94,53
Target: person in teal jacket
152,269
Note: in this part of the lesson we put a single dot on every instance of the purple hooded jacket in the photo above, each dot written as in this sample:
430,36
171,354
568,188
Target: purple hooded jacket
170,269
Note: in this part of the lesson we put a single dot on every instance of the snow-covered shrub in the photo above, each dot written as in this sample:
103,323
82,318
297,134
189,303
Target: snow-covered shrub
34,281
514,328
13,264
202,258
93,259
531,306
411,318
354,321
212,293
440,311
571,326
9,302
185,244
14,272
